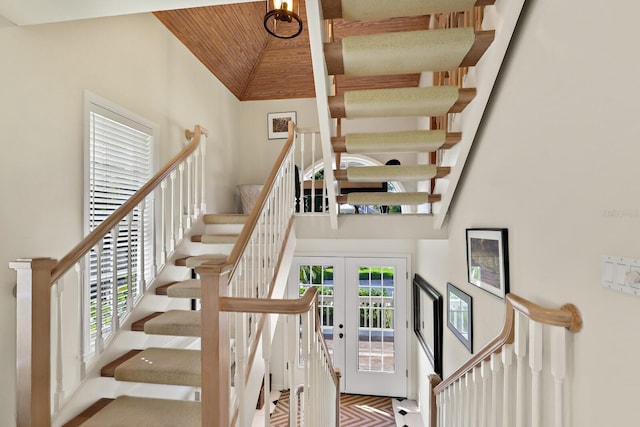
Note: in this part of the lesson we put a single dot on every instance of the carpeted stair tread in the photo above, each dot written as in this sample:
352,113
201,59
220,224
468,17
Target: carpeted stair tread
220,239
367,9
162,290
174,322
225,218
109,369
161,366
198,260
401,102
391,173
390,199
186,289
127,411
138,325
406,52
417,141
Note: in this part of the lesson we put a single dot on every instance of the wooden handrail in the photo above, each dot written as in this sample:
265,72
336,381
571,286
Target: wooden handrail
71,258
264,305
567,316
252,220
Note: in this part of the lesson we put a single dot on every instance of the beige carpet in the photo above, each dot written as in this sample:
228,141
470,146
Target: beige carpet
145,412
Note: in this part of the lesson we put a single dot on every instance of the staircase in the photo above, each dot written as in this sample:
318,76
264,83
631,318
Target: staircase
445,105
166,366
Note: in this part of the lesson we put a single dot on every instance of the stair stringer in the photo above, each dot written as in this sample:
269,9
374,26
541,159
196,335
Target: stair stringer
92,386
503,17
322,87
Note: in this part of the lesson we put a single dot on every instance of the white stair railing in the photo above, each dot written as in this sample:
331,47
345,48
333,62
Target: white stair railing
119,257
495,389
312,197
237,302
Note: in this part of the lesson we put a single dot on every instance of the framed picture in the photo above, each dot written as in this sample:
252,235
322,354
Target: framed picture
278,124
460,315
488,260
427,320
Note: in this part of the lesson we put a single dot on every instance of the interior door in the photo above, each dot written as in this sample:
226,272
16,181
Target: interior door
362,312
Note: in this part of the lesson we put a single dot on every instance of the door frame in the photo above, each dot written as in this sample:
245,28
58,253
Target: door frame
338,261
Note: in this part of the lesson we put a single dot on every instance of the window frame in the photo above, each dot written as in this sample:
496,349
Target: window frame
93,103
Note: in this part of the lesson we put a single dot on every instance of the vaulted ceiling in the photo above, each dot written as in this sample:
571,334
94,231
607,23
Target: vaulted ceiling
231,42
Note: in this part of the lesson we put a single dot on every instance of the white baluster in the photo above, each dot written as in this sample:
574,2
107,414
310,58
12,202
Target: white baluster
129,303
496,391
461,403
485,372
508,402
196,178
115,317
520,350
189,191
58,397
535,363
466,382
142,277
441,409
313,178
559,372
163,244
172,213
266,355
451,411
99,345
302,168
241,361
475,394
203,202
84,313
181,208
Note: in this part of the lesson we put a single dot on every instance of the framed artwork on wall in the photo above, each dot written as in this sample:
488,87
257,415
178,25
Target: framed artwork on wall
427,320
278,124
460,315
488,260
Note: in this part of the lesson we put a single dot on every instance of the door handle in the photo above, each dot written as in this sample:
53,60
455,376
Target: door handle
340,326
340,335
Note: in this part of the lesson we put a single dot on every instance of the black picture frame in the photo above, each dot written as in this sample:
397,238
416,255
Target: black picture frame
488,260
427,320
460,315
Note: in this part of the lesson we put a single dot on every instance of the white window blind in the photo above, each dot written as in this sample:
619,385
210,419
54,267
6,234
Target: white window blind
119,163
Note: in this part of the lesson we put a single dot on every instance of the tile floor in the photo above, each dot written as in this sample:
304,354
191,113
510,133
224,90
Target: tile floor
407,412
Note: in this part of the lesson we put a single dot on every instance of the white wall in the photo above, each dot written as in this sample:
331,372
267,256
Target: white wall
133,61
557,163
260,153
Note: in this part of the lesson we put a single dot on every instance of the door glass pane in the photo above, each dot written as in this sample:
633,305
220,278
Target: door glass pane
376,331
320,276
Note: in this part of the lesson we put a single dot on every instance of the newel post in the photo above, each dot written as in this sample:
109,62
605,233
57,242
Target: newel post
33,341
214,345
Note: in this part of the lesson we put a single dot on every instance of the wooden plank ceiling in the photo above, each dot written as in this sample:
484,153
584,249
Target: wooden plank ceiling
231,42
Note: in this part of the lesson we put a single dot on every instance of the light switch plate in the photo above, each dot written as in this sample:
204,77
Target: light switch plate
616,274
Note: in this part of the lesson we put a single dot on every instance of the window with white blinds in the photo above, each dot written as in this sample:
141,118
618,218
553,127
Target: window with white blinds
119,163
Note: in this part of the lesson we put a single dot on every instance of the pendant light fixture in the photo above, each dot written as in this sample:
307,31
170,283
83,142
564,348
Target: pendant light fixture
283,18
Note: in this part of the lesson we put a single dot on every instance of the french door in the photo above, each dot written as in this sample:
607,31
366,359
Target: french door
362,308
